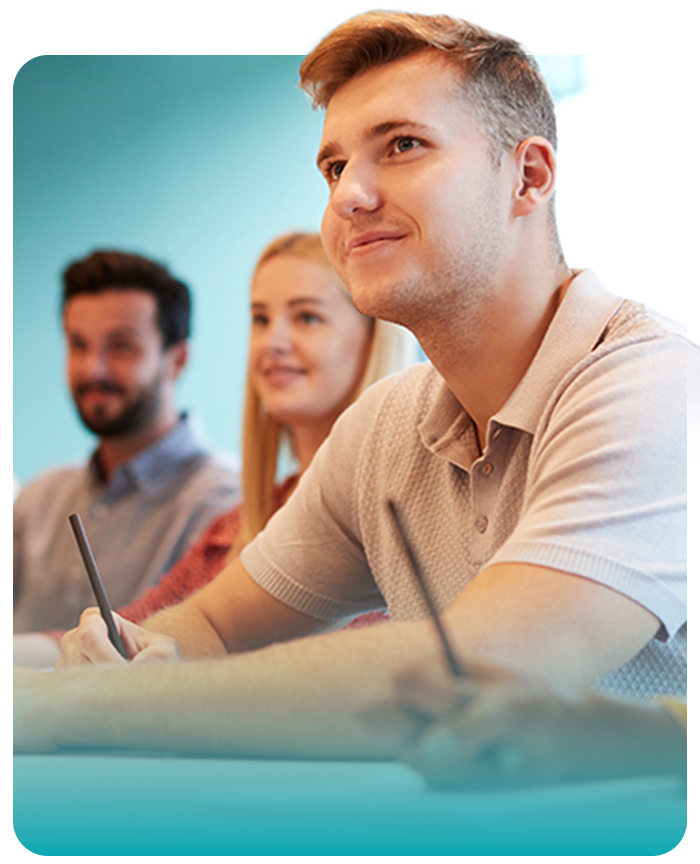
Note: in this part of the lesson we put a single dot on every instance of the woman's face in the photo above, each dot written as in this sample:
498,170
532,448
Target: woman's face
308,344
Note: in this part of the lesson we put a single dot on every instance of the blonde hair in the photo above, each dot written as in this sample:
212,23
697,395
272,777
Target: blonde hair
393,349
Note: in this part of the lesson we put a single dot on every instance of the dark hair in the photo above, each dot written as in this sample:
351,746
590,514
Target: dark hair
109,270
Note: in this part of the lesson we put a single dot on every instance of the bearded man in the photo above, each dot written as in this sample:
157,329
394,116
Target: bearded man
153,483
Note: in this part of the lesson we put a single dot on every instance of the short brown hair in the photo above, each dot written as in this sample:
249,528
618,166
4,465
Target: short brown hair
501,81
113,270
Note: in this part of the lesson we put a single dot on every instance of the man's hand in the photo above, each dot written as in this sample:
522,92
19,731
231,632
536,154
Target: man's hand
89,643
501,730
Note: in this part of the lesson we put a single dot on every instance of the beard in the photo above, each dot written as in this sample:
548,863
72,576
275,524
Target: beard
135,415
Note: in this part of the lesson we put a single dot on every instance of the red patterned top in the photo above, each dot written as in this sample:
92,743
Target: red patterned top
204,560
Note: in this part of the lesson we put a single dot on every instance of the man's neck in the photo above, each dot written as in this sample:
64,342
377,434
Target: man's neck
114,452
483,362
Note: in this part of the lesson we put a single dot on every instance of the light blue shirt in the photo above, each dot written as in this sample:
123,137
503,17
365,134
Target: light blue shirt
138,524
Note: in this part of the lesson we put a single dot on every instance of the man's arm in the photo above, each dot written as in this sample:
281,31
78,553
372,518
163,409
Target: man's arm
547,624
313,696
307,698
506,731
230,615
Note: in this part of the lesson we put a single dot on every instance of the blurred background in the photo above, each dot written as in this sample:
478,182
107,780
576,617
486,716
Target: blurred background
199,160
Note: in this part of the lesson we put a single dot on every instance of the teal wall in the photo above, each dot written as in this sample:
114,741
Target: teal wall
196,161
199,159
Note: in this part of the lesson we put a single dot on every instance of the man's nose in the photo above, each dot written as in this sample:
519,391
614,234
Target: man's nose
93,363
356,191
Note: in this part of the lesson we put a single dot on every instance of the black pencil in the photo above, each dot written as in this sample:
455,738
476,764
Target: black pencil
96,582
457,668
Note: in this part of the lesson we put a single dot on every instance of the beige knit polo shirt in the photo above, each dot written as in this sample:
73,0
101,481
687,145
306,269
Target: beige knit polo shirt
583,471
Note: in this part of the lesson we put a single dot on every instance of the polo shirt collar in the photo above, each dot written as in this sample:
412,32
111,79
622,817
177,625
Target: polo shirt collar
574,331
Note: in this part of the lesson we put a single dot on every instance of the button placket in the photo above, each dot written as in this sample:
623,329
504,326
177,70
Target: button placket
481,523
486,487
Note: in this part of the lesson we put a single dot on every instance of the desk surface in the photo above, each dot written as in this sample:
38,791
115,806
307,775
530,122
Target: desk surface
121,804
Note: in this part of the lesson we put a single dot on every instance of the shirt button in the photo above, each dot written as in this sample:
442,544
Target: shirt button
486,469
481,524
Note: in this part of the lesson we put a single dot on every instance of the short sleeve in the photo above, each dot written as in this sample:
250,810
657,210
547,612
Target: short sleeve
309,556
606,496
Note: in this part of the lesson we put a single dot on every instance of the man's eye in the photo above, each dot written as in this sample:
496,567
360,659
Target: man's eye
259,320
335,169
405,143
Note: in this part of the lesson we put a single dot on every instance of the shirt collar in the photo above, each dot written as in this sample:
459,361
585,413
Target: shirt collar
574,331
147,469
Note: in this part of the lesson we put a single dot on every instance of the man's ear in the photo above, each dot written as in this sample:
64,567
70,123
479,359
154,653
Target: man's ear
178,355
536,165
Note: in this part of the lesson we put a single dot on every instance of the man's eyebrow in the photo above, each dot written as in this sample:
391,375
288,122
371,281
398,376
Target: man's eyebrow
377,131
297,301
117,331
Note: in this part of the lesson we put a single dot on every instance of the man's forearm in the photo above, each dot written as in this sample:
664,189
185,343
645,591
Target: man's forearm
232,614
190,627
310,698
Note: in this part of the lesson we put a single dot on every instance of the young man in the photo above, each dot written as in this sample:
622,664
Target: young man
152,483
538,464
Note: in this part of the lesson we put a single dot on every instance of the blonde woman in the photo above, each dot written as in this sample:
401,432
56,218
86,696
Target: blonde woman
311,354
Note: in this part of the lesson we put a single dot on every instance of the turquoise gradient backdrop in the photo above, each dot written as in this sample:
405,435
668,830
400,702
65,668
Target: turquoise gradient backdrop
196,161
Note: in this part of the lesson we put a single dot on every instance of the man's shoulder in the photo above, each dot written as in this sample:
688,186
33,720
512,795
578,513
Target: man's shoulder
187,459
218,468
54,490
634,322
223,460
391,409
55,477
639,343
406,390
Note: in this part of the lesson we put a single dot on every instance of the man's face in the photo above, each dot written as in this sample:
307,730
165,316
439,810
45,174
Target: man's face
117,369
417,212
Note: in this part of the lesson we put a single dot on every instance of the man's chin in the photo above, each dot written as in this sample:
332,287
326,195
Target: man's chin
378,301
102,425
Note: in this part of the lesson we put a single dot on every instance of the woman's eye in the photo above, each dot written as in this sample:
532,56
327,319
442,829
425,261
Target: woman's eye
309,317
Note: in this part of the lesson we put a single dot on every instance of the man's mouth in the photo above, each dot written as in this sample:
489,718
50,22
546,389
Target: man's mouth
98,390
371,241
